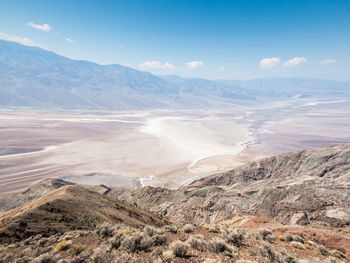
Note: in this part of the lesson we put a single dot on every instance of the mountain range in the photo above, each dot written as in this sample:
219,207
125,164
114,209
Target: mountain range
34,77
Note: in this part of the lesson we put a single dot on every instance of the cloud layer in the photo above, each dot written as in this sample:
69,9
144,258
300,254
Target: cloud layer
154,64
327,61
43,27
269,63
194,64
295,62
70,40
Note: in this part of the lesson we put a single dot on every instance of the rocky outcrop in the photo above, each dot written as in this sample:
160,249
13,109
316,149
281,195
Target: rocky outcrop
293,188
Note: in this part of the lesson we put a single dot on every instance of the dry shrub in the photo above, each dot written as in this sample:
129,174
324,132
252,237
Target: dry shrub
116,240
76,250
105,230
45,258
323,250
291,238
63,245
197,242
168,256
268,252
337,253
126,258
266,235
151,231
137,241
218,245
179,248
298,245
159,240
171,228
234,236
81,258
214,229
188,228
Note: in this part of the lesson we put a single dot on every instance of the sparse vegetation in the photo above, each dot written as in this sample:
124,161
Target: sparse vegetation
234,236
137,241
105,229
266,235
214,229
188,228
218,245
197,242
63,245
179,248
171,228
298,245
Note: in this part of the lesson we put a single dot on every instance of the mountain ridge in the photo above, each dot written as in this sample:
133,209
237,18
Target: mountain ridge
34,77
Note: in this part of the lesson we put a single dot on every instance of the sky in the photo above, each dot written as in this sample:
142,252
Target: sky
237,39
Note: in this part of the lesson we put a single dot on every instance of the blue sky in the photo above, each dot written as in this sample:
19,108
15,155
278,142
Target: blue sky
239,39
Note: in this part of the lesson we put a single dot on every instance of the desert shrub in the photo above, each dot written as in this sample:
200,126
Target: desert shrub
104,230
151,231
179,248
168,256
137,241
298,245
214,229
63,245
323,250
268,252
188,228
102,254
197,242
234,236
266,235
76,250
45,258
218,245
81,257
171,228
126,258
157,260
290,238
116,240
156,252
337,253
159,240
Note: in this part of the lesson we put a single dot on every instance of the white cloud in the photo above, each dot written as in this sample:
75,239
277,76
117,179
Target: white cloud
194,64
70,40
24,41
295,62
222,68
269,63
154,64
43,27
122,46
327,61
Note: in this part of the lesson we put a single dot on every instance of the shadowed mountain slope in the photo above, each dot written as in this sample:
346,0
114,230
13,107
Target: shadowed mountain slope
70,208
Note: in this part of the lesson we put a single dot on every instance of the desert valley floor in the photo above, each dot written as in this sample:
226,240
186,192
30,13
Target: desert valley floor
158,147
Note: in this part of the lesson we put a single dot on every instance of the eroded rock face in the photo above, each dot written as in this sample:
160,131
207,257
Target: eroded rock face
292,188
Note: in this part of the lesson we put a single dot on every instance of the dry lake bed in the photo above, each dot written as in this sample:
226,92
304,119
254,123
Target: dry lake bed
158,147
